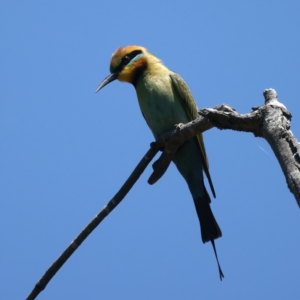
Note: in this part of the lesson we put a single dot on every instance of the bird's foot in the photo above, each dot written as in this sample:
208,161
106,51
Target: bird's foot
178,126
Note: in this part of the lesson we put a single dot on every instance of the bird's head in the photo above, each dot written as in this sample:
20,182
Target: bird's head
126,64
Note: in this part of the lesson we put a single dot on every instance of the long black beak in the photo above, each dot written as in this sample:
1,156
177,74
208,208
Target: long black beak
106,81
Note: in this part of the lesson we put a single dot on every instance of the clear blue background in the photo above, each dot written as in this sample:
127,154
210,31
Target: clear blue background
65,151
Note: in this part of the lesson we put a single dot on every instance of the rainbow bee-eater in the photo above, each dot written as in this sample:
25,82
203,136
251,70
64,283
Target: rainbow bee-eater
165,100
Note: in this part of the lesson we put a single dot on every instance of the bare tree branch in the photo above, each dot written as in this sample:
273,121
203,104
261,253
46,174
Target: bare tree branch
94,223
270,121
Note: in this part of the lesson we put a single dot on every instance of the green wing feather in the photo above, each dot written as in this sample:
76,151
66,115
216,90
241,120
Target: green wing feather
184,93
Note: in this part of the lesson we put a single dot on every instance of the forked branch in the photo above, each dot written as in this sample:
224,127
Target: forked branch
270,121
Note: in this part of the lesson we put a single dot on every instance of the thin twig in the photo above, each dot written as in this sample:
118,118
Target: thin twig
42,283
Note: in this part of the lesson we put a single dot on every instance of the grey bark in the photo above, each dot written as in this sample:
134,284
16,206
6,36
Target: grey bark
270,121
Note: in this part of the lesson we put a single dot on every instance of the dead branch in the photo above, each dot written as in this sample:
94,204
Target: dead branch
270,121
94,223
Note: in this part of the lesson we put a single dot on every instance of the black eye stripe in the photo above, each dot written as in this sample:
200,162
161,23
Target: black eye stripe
127,58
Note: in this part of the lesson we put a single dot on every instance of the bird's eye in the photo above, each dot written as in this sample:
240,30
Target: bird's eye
125,60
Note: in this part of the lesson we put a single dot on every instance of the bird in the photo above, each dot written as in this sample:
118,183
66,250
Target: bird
165,100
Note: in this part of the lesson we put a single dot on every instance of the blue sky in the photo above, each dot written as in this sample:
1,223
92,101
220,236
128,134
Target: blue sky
65,151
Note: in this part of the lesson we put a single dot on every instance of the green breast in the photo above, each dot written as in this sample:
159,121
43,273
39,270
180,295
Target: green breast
160,107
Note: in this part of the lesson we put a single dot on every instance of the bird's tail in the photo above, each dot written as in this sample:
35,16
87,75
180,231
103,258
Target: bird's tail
210,229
